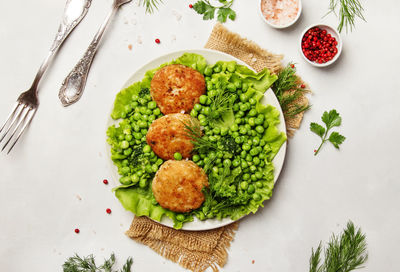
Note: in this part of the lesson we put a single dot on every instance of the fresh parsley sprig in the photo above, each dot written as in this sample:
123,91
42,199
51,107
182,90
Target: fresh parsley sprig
224,10
88,264
331,119
349,10
344,253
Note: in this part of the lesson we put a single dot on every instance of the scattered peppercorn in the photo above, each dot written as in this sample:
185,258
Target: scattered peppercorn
108,211
77,231
303,86
105,181
190,6
292,65
158,41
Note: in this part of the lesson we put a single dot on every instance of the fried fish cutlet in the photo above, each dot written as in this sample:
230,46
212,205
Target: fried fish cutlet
178,185
167,135
177,88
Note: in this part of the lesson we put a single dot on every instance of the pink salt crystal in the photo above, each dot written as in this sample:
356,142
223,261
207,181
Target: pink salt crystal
280,12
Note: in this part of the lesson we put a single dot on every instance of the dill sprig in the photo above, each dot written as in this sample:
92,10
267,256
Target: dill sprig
88,264
349,10
220,105
344,253
286,89
201,144
150,5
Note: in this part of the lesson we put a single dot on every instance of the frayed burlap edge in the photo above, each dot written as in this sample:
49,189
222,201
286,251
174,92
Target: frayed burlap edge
223,40
196,251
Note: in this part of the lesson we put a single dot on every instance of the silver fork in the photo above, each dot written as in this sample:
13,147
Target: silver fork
28,102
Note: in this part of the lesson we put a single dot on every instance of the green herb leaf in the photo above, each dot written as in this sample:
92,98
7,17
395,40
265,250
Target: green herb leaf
224,11
209,13
336,139
348,11
150,4
317,129
331,119
200,7
344,253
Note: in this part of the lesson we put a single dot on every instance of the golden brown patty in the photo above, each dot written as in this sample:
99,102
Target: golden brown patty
178,185
177,88
167,135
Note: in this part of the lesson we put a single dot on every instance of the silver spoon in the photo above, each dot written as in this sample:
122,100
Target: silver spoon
74,84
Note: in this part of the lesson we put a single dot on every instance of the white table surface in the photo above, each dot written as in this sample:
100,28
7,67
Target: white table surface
61,158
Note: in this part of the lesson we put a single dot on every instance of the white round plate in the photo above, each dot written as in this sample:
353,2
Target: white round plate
212,57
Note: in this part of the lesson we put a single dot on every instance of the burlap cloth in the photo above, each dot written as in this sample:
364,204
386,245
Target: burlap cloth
194,250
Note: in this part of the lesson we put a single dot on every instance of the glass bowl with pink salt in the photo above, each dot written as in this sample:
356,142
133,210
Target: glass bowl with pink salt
280,13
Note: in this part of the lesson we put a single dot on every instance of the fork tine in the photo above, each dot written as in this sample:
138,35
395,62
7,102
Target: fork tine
9,116
16,116
22,117
26,123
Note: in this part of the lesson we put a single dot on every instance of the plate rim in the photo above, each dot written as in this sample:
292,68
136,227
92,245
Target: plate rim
215,223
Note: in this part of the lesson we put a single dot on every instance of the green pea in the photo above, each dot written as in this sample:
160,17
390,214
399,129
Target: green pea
243,130
251,189
238,121
128,151
244,107
224,131
180,217
258,121
260,129
125,170
240,113
148,169
243,97
246,177
206,111
159,162
217,69
128,137
256,161
236,162
200,163
231,87
152,118
134,178
234,127
256,141
197,107
244,185
246,147
249,158
244,164
152,105
235,107
203,122
125,180
193,113
215,170
245,86
252,122
177,156
253,168
208,71
256,197
254,151
259,175
235,134
143,132
137,116
142,183
139,173
227,163
212,138
203,99
156,111
154,167
243,154
262,142
142,124
252,112
238,140
259,184
124,144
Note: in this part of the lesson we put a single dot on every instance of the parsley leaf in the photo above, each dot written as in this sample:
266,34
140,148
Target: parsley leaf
336,139
317,129
331,119
224,11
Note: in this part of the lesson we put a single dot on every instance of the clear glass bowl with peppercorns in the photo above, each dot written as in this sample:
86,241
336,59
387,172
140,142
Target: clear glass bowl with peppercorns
320,45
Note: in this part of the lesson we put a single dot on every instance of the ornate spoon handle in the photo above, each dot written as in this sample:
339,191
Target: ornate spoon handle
74,12
74,84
